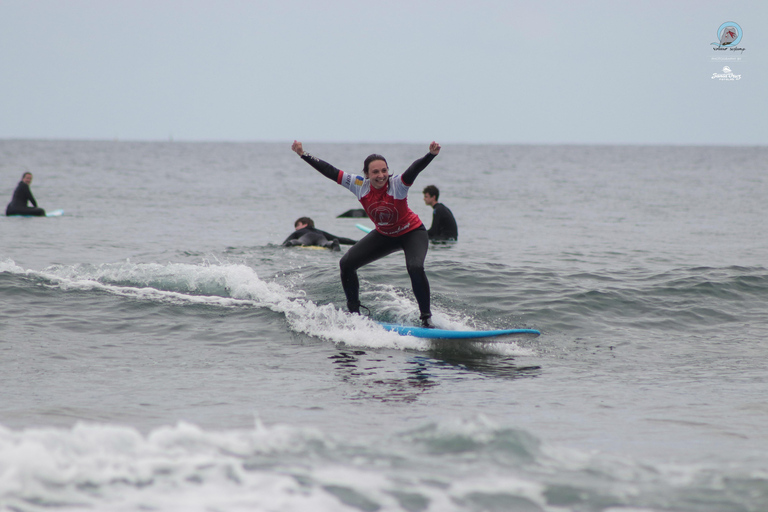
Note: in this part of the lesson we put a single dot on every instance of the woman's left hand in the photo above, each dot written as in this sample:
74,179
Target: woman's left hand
434,148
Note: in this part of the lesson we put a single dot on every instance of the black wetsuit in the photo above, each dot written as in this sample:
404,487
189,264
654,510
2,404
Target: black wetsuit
18,205
314,236
374,246
443,224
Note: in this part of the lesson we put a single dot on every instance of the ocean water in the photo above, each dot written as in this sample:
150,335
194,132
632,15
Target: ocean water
159,350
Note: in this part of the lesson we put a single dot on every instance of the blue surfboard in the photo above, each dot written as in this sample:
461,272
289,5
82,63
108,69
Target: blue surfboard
447,334
52,213
364,229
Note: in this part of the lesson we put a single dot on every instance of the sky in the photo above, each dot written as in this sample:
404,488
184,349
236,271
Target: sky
478,72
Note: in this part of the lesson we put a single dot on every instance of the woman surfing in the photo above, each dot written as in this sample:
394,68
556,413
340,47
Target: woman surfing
385,199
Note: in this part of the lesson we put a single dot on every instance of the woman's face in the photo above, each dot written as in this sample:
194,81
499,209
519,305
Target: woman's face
378,173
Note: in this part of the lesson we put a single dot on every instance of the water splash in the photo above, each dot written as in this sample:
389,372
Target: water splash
229,285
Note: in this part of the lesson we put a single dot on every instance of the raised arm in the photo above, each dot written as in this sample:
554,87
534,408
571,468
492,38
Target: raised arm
409,176
326,169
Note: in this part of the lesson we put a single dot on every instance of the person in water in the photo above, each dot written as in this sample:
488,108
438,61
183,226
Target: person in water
385,199
21,196
307,234
443,223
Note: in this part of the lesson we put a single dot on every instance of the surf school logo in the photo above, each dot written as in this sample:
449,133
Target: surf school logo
726,75
729,36
383,214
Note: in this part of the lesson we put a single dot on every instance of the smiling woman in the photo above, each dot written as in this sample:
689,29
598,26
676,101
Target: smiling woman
385,200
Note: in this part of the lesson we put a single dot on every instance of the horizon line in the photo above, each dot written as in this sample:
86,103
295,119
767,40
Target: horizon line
387,142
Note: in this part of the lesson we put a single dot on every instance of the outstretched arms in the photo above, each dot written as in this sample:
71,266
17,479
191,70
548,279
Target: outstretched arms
331,172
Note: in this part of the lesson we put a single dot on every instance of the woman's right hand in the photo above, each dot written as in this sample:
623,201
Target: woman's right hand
297,148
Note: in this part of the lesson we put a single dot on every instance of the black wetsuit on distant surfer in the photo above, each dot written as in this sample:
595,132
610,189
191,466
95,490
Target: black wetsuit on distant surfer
21,196
443,223
313,236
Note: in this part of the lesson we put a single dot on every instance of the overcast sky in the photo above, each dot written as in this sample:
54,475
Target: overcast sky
480,71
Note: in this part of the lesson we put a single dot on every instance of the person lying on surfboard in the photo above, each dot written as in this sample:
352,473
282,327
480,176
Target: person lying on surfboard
385,199
21,196
307,234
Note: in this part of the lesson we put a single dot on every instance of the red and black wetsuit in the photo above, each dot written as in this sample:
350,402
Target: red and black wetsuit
397,228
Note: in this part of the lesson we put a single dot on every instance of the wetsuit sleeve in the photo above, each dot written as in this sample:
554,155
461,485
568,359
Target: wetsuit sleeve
326,169
27,195
341,239
292,236
409,176
435,228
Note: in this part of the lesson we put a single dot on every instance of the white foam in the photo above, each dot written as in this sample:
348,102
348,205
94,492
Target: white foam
8,265
183,467
240,282
107,467
282,467
236,285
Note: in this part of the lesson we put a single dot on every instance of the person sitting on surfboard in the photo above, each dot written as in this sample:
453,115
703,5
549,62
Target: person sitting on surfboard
385,199
443,223
22,195
307,234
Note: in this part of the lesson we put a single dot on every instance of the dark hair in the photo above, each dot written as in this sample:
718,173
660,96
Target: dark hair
23,175
432,190
372,158
304,220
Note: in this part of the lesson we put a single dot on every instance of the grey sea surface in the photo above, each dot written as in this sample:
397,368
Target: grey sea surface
159,349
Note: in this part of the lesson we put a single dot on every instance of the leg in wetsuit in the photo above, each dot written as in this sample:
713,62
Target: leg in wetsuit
375,246
24,210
